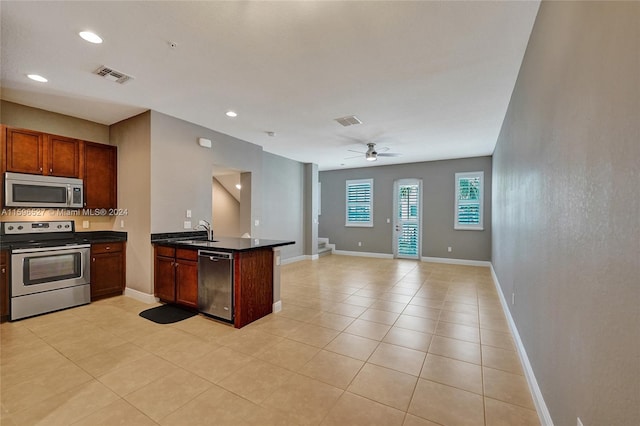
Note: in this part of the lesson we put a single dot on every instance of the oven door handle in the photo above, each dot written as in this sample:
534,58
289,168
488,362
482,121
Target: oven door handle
69,195
57,248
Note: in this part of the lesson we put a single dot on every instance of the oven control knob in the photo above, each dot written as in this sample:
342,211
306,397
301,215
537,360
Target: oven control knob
10,228
59,226
20,227
66,226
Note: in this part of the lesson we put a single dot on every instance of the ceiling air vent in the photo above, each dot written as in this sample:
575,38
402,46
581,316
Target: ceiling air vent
349,120
112,75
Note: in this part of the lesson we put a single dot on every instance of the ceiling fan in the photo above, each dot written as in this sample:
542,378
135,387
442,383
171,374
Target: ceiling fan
372,153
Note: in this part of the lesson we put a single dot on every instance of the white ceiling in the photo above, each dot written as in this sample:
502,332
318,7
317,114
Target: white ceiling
430,80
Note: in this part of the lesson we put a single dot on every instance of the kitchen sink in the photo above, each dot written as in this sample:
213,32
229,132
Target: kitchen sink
197,242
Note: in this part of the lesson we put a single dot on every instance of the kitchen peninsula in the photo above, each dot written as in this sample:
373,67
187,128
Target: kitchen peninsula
181,275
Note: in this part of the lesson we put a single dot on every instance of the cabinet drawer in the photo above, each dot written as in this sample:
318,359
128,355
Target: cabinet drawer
165,251
106,247
187,254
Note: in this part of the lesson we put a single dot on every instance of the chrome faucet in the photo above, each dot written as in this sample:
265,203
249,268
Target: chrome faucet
207,227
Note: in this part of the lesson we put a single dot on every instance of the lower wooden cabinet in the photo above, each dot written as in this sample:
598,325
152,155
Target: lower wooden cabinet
4,286
176,275
253,285
107,269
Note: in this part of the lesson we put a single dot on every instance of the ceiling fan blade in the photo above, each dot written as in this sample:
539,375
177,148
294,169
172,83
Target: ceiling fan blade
359,152
355,156
388,154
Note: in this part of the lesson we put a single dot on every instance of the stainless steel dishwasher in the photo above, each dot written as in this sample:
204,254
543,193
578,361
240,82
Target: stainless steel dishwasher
215,284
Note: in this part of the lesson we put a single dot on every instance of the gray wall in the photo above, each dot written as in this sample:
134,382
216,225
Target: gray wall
438,180
566,228
226,212
26,117
282,202
132,137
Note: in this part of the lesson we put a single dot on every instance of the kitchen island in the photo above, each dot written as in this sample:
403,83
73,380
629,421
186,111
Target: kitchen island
254,270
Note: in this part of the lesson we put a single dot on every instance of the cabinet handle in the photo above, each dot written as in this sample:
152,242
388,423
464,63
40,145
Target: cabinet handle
50,170
107,248
40,168
4,270
94,259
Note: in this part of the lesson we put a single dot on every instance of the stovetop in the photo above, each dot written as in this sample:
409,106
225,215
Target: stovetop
20,235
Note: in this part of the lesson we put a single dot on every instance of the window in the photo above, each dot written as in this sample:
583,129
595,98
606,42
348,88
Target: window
469,201
359,211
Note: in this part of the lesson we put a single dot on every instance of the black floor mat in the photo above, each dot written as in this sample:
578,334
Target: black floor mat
167,314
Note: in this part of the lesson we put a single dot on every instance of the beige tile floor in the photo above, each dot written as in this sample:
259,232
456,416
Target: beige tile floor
359,341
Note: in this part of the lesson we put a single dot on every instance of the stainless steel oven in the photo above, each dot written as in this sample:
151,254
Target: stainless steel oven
48,279
47,274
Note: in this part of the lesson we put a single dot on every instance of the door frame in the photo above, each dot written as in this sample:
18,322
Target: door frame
394,232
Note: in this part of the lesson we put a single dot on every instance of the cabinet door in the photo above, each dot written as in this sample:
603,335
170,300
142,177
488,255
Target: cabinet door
100,176
165,278
63,157
187,283
24,151
4,287
107,274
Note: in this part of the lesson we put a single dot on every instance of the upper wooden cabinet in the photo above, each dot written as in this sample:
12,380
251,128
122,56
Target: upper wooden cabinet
63,156
100,176
25,151
42,154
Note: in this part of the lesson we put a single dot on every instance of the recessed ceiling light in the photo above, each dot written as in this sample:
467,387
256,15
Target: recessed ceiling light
90,37
231,114
239,186
38,78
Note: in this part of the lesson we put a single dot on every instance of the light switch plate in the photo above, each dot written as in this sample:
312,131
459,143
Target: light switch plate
187,224
188,214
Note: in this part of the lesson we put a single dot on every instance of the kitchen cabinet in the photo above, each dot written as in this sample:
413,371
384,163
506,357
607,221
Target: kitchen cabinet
107,269
4,286
100,171
38,153
176,275
253,285
63,156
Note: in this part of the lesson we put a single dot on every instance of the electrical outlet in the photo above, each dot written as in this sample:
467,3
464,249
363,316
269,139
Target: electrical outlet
257,222
579,422
121,223
449,249
359,243
388,220
85,224
187,224
513,298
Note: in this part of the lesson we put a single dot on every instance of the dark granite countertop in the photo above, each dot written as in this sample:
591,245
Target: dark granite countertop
198,241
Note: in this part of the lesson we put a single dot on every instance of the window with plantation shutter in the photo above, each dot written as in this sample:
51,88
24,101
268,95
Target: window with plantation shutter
359,205
469,200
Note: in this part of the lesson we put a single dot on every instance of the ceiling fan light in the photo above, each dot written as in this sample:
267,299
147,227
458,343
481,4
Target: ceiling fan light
371,156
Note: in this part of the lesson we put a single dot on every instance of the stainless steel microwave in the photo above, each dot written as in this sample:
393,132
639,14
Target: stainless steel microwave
23,190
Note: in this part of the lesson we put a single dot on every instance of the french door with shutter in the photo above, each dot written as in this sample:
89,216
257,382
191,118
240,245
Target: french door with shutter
407,213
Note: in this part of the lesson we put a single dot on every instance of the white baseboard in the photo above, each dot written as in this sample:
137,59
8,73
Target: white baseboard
295,259
277,306
538,400
457,261
363,254
314,256
138,295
